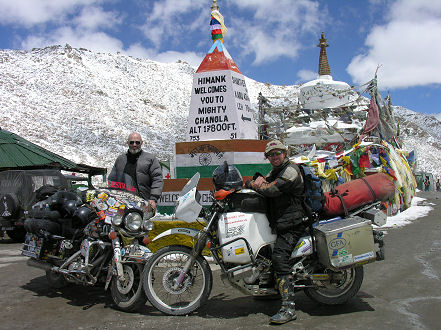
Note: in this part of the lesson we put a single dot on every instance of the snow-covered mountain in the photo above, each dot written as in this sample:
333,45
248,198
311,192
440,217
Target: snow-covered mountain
83,105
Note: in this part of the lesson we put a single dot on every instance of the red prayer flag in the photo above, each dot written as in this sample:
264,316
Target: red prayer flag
373,117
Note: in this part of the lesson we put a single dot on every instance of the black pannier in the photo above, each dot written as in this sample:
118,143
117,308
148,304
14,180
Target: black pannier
247,200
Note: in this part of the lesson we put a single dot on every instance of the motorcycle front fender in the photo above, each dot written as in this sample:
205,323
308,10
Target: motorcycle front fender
181,231
109,274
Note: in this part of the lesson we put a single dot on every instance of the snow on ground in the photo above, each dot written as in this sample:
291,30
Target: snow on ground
415,211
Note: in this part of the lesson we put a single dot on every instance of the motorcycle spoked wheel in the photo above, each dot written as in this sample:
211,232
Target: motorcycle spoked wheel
128,294
341,291
161,272
56,280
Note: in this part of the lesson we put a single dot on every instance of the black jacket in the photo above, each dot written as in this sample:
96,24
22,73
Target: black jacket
283,189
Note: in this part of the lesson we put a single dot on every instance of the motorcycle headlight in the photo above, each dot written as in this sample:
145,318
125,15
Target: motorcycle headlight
147,225
117,220
133,221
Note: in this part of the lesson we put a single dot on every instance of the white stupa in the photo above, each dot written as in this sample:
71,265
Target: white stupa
324,92
328,109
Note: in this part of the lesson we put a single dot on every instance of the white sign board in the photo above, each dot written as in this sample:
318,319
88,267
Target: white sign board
220,108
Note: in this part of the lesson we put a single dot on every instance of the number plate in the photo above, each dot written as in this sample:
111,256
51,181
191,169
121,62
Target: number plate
32,246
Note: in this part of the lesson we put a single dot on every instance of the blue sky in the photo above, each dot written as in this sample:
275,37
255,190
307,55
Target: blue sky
271,40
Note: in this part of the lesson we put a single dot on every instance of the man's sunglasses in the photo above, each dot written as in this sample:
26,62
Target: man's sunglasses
135,142
274,153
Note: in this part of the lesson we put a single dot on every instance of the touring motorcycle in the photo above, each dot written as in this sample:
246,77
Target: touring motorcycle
93,240
327,262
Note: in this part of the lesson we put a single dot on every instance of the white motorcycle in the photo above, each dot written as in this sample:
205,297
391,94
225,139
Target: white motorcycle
327,262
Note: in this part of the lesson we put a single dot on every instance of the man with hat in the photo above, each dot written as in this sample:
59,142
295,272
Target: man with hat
283,187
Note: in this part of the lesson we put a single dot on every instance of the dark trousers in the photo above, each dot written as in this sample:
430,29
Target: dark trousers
283,248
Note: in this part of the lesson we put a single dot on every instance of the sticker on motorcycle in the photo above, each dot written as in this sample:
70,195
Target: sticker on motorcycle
101,206
235,231
342,261
103,196
364,256
298,246
111,201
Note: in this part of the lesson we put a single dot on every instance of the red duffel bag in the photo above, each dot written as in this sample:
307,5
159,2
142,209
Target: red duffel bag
356,193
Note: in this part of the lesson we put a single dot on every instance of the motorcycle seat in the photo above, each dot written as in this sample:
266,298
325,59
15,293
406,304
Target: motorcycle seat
33,225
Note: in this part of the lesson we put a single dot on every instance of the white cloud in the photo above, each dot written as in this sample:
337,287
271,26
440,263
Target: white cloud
95,41
406,47
166,19
271,29
301,15
307,75
266,48
77,22
191,58
276,27
138,51
95,18
31,12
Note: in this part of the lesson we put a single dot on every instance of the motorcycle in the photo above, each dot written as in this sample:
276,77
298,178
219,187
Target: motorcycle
327,262
91,241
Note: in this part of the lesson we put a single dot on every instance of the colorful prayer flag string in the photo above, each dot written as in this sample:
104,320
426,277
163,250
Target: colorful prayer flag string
217,26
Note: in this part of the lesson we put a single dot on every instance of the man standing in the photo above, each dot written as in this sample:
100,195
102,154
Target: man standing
427,184
283,186
139,169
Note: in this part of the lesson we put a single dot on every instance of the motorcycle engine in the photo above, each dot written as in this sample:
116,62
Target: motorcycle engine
85,245
252,276
76,266
66,248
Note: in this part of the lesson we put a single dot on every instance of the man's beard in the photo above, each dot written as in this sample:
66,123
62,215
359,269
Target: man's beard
134,152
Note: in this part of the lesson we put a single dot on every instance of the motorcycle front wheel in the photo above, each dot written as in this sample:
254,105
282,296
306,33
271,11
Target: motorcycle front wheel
161,274
342,286
128,294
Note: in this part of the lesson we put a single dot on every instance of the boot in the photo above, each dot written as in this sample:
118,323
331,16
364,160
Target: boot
287,312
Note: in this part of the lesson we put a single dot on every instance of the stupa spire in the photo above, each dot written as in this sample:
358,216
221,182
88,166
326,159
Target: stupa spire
324,68
214,6
217,26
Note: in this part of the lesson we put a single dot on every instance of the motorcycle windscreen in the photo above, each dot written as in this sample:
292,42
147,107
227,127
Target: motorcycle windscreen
189,207
190,184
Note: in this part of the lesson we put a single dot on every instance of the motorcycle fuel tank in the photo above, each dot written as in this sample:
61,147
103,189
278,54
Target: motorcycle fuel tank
345,243
253,227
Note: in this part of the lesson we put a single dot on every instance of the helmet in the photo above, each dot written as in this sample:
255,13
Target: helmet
70,206
83,215
275,145
227,177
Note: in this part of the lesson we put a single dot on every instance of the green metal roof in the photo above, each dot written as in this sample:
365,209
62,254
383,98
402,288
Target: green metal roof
18,153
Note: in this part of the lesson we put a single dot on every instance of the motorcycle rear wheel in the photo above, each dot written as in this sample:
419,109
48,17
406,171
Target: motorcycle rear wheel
339,292
161,272
128,295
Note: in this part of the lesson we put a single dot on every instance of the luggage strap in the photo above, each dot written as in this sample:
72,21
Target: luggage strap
340,196
374,195
334,192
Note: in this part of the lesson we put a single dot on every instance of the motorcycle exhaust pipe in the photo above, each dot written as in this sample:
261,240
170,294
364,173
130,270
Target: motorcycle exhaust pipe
40,264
